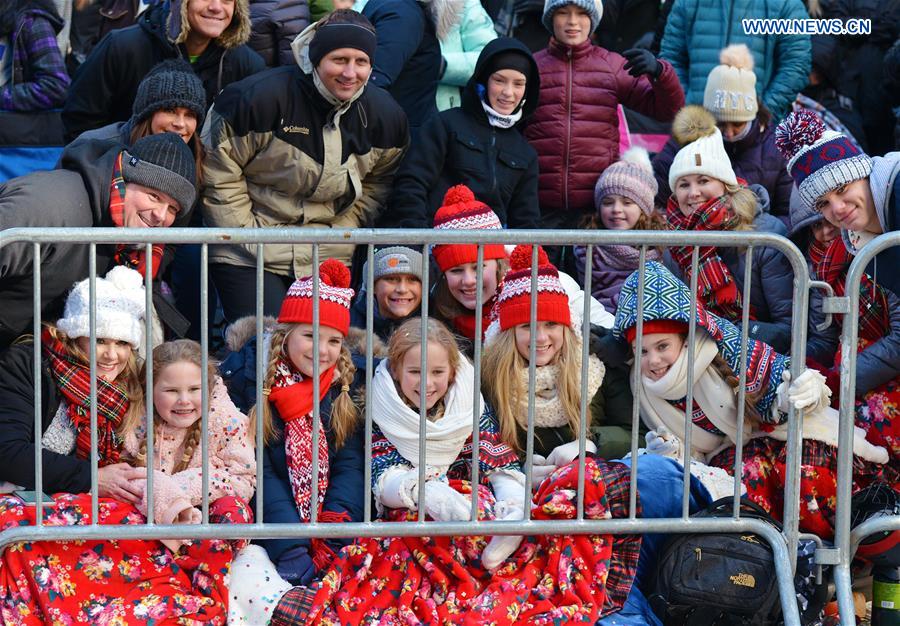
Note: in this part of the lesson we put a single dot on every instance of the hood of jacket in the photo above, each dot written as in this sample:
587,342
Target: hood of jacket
93,160
881,183
300,48
665,298
471,102
14,10
168,22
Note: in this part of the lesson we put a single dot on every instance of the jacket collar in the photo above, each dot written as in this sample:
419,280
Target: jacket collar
563,51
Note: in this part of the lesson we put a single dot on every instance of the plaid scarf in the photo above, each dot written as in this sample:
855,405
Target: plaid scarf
830,262
129,255
716,286
73,380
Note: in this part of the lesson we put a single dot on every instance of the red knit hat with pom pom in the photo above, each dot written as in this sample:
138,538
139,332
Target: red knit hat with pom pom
514,301
461,211
334,298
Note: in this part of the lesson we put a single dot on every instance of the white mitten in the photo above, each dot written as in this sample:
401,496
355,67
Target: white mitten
254,586
809,392
663,443
444,504
397,486
568,452
540,469
500,547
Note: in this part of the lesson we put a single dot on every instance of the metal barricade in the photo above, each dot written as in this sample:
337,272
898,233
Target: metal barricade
784,544
847,540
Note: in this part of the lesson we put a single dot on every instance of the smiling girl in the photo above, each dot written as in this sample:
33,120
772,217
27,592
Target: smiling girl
707,196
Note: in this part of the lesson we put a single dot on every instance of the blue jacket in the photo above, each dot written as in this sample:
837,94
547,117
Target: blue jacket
346,487
697,30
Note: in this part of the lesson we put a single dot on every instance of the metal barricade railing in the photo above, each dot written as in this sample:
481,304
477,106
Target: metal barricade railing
784,544
847,540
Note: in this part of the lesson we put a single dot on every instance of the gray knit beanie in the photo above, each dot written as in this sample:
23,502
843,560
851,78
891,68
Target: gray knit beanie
162,162
168,85
397,260
632,177
593,7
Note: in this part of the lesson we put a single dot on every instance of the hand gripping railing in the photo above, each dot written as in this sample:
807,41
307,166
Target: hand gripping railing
846,540
784,544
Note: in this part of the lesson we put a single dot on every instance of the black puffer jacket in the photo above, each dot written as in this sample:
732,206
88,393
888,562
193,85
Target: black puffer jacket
275,24
105,85
459,146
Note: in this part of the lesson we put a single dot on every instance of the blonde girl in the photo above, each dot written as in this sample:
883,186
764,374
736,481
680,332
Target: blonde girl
287,421
558,366
707,196
177,452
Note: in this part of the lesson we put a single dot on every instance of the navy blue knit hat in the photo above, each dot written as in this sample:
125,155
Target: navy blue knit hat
169,85
162,162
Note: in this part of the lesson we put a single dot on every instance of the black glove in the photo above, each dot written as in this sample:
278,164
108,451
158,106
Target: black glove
607,348
642,62
296,566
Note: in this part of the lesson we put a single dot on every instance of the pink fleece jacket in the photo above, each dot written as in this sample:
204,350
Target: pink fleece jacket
232,462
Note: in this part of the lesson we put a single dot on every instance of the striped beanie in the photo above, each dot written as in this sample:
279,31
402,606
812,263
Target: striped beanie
461,211
819,160
514,301
334,298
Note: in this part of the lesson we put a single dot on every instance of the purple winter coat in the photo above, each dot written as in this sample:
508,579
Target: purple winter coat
754,158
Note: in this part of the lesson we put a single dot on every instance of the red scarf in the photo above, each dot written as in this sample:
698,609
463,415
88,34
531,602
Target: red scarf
465,323
73,380
130,256
716,286
830,263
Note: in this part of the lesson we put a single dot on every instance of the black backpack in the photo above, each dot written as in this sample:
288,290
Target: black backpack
722,579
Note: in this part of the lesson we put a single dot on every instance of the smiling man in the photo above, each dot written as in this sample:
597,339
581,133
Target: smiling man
305,145
854,192
150,185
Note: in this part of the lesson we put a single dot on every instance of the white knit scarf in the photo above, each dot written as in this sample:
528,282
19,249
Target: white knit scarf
548,407
713,395
445,437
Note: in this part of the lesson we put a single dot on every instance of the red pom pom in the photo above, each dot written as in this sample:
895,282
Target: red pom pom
798,130
520,258
334,273
458,195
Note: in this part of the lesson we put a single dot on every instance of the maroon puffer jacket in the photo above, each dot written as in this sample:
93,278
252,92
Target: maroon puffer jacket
575,129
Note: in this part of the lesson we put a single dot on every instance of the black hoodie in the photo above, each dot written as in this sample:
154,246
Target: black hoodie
459,146
105,85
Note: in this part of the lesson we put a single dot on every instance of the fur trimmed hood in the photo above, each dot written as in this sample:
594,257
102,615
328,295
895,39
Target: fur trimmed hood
237,33
244,329
445,15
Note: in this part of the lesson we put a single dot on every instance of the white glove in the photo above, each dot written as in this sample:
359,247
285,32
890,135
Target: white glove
809,391
500,547
444,504
540,469
663,443
568,452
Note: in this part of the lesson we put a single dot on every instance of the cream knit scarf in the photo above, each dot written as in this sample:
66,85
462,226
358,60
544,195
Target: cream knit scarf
548,408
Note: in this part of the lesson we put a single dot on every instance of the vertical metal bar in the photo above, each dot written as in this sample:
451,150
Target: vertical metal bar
532,372
148,365
370,347
260,375
317,415
742,383
689,403
38,409
204,378
476,397
423,372
92,356
636,383
585,355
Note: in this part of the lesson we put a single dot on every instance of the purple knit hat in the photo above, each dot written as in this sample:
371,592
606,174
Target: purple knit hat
631,177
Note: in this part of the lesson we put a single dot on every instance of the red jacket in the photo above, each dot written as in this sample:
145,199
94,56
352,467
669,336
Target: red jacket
575,129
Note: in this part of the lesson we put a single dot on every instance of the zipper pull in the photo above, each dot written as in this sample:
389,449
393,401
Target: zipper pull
698,553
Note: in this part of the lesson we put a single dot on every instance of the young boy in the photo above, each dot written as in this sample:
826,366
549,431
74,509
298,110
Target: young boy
575,129
398,290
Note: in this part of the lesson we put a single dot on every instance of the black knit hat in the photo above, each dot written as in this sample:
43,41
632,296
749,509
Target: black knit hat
168,85
506,60
162,162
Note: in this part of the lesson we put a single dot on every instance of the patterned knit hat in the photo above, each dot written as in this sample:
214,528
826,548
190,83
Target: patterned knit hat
334,298
461,211
594,8
120,307
514,301
631,177
162,162
704,152
819,160
730,93
168,85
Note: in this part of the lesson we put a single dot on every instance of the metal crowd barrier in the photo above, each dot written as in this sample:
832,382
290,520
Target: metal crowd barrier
847,540
784,543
